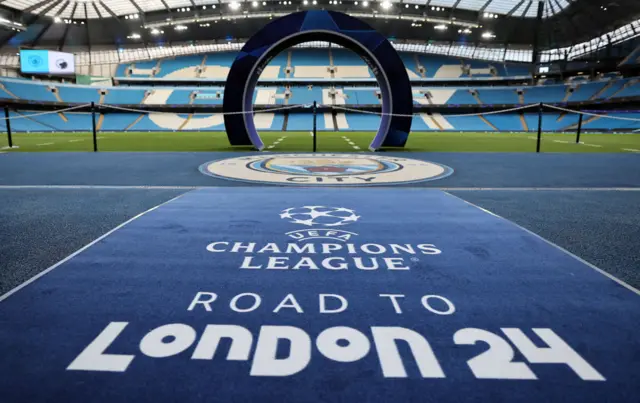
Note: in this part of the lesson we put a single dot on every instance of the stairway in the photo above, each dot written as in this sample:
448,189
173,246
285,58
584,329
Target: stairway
435,122
134,122
157,68
100,122
441,121
335,121
477,98
7,91
584,122
331,70
288,75
63,117
488,123
562,115
567,93
202,67
418,65
602,91
101,100
147,95
523,122
187,120
285,121
521,98
56,94
37,121
627,85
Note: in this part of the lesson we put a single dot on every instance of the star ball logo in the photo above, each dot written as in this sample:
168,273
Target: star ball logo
324,221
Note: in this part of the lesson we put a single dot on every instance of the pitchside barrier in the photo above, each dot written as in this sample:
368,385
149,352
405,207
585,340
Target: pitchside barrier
577,127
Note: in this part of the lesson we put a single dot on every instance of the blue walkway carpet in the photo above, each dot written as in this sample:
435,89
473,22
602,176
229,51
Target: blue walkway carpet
310,295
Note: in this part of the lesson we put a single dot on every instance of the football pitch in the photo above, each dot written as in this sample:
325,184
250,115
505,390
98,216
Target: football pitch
341,141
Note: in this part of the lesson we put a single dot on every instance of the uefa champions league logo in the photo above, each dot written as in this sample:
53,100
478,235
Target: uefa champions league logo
320,215
323,218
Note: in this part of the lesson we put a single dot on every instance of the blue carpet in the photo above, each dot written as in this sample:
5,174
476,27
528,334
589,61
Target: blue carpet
114,322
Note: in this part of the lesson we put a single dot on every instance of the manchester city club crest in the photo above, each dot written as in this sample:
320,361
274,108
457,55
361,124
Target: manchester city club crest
326,169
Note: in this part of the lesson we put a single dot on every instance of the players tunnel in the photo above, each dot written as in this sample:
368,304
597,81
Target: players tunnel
328,26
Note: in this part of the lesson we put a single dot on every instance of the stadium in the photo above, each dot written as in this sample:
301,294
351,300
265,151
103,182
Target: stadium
319,200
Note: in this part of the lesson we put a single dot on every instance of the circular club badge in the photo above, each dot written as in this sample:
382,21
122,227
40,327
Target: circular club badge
325,169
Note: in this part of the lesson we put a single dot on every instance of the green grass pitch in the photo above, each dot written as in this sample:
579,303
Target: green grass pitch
345,141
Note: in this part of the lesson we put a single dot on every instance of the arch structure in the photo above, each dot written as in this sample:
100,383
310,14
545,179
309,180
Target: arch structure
329,26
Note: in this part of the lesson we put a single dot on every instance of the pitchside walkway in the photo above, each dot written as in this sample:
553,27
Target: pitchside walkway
180,169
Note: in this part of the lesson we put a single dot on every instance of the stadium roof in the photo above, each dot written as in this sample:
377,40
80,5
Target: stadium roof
91,9
570,28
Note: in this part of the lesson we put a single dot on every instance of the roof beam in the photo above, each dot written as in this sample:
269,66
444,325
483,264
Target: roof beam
526,9
87,32
49,8
136,6
164,3
481,10
35,6
35,40
64,7
64,37
97,10
515,8
109,10
73,10
453,8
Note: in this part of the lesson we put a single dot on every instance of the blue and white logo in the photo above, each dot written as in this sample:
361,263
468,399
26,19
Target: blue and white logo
320,215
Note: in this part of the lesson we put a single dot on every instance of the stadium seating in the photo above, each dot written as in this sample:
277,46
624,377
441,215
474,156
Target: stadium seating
546,93
462,97
300,122
42,92
511,122
129,96
33,91
317,63
584,92
81,94
498,96
314,64
118,121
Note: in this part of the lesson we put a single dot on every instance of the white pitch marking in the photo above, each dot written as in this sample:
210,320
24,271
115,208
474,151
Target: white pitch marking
356,147
76,140
71,256
633,150
590,145
270,146
560,141
44,144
